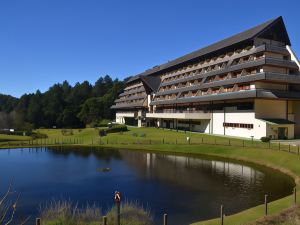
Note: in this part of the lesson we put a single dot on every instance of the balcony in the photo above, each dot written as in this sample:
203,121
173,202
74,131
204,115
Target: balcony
126,114
179,114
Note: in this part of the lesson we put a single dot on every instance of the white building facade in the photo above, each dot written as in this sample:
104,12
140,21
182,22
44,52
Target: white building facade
247,85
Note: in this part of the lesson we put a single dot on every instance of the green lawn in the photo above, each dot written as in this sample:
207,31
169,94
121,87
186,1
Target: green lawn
9,138
225,147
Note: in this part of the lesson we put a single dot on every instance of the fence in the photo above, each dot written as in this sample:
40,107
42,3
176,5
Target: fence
222,214
201,140
44,142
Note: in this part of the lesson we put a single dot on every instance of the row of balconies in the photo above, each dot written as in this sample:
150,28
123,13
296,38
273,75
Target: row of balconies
133,91
132,97
133,86
130,102
209,91
236,71
238,56
217,67
208,62
230,75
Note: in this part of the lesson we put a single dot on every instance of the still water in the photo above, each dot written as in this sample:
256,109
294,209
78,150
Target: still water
189,189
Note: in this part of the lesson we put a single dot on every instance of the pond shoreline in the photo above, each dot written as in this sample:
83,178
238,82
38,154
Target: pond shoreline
211,151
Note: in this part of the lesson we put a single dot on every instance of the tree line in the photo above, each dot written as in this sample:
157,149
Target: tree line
62,106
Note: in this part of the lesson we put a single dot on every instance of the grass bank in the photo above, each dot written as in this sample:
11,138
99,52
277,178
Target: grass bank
285,160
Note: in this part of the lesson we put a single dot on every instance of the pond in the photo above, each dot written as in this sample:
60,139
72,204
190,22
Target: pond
188,188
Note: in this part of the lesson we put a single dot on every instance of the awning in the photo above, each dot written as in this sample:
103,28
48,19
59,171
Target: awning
278,121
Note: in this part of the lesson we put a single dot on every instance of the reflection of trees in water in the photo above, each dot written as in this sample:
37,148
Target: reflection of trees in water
85,152
207,175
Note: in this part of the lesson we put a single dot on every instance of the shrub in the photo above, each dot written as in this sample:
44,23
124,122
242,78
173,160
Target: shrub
38,135
65,212
102,133
134,134
117,128
132,213
143,135
67,132
103,123
265,139
68,213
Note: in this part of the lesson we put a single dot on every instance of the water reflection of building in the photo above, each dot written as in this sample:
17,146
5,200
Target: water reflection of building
191,172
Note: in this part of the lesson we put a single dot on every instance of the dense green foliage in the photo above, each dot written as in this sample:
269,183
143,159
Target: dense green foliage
117,128
62,105
265,139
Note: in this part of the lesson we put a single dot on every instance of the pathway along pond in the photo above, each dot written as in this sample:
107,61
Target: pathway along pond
189,189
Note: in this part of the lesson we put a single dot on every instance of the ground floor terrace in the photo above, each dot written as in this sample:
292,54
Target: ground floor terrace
253,118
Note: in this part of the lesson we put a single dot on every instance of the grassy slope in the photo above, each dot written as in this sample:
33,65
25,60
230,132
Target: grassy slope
280,160
5,137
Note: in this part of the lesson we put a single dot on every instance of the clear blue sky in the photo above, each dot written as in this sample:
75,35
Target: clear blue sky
43,42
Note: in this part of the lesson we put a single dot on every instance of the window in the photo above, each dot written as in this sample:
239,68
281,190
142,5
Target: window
238,125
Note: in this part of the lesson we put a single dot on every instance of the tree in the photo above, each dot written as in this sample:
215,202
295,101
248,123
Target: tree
61,105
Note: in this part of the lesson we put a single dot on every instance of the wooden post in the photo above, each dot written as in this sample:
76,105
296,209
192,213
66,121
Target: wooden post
38,221
176,141
266,204
163,140
222,215
202,140
118,216
104,220
289,148
165,219
279,146
269,144
295,196
189,140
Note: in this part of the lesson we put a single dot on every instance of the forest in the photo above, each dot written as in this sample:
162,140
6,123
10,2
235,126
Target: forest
61,106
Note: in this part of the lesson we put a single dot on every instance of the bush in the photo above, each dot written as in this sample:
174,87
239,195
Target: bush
65,212
68,213
38,135
132,213
143,135
102,133
265,139
103,123
117,128
134,134
67,132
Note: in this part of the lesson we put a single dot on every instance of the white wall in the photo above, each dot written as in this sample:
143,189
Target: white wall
217,122
244,117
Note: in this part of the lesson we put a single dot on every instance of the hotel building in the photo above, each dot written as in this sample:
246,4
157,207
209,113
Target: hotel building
247,85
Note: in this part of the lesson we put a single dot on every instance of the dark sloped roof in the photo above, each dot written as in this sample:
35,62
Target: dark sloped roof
277,121
151,82
133,78
263,30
